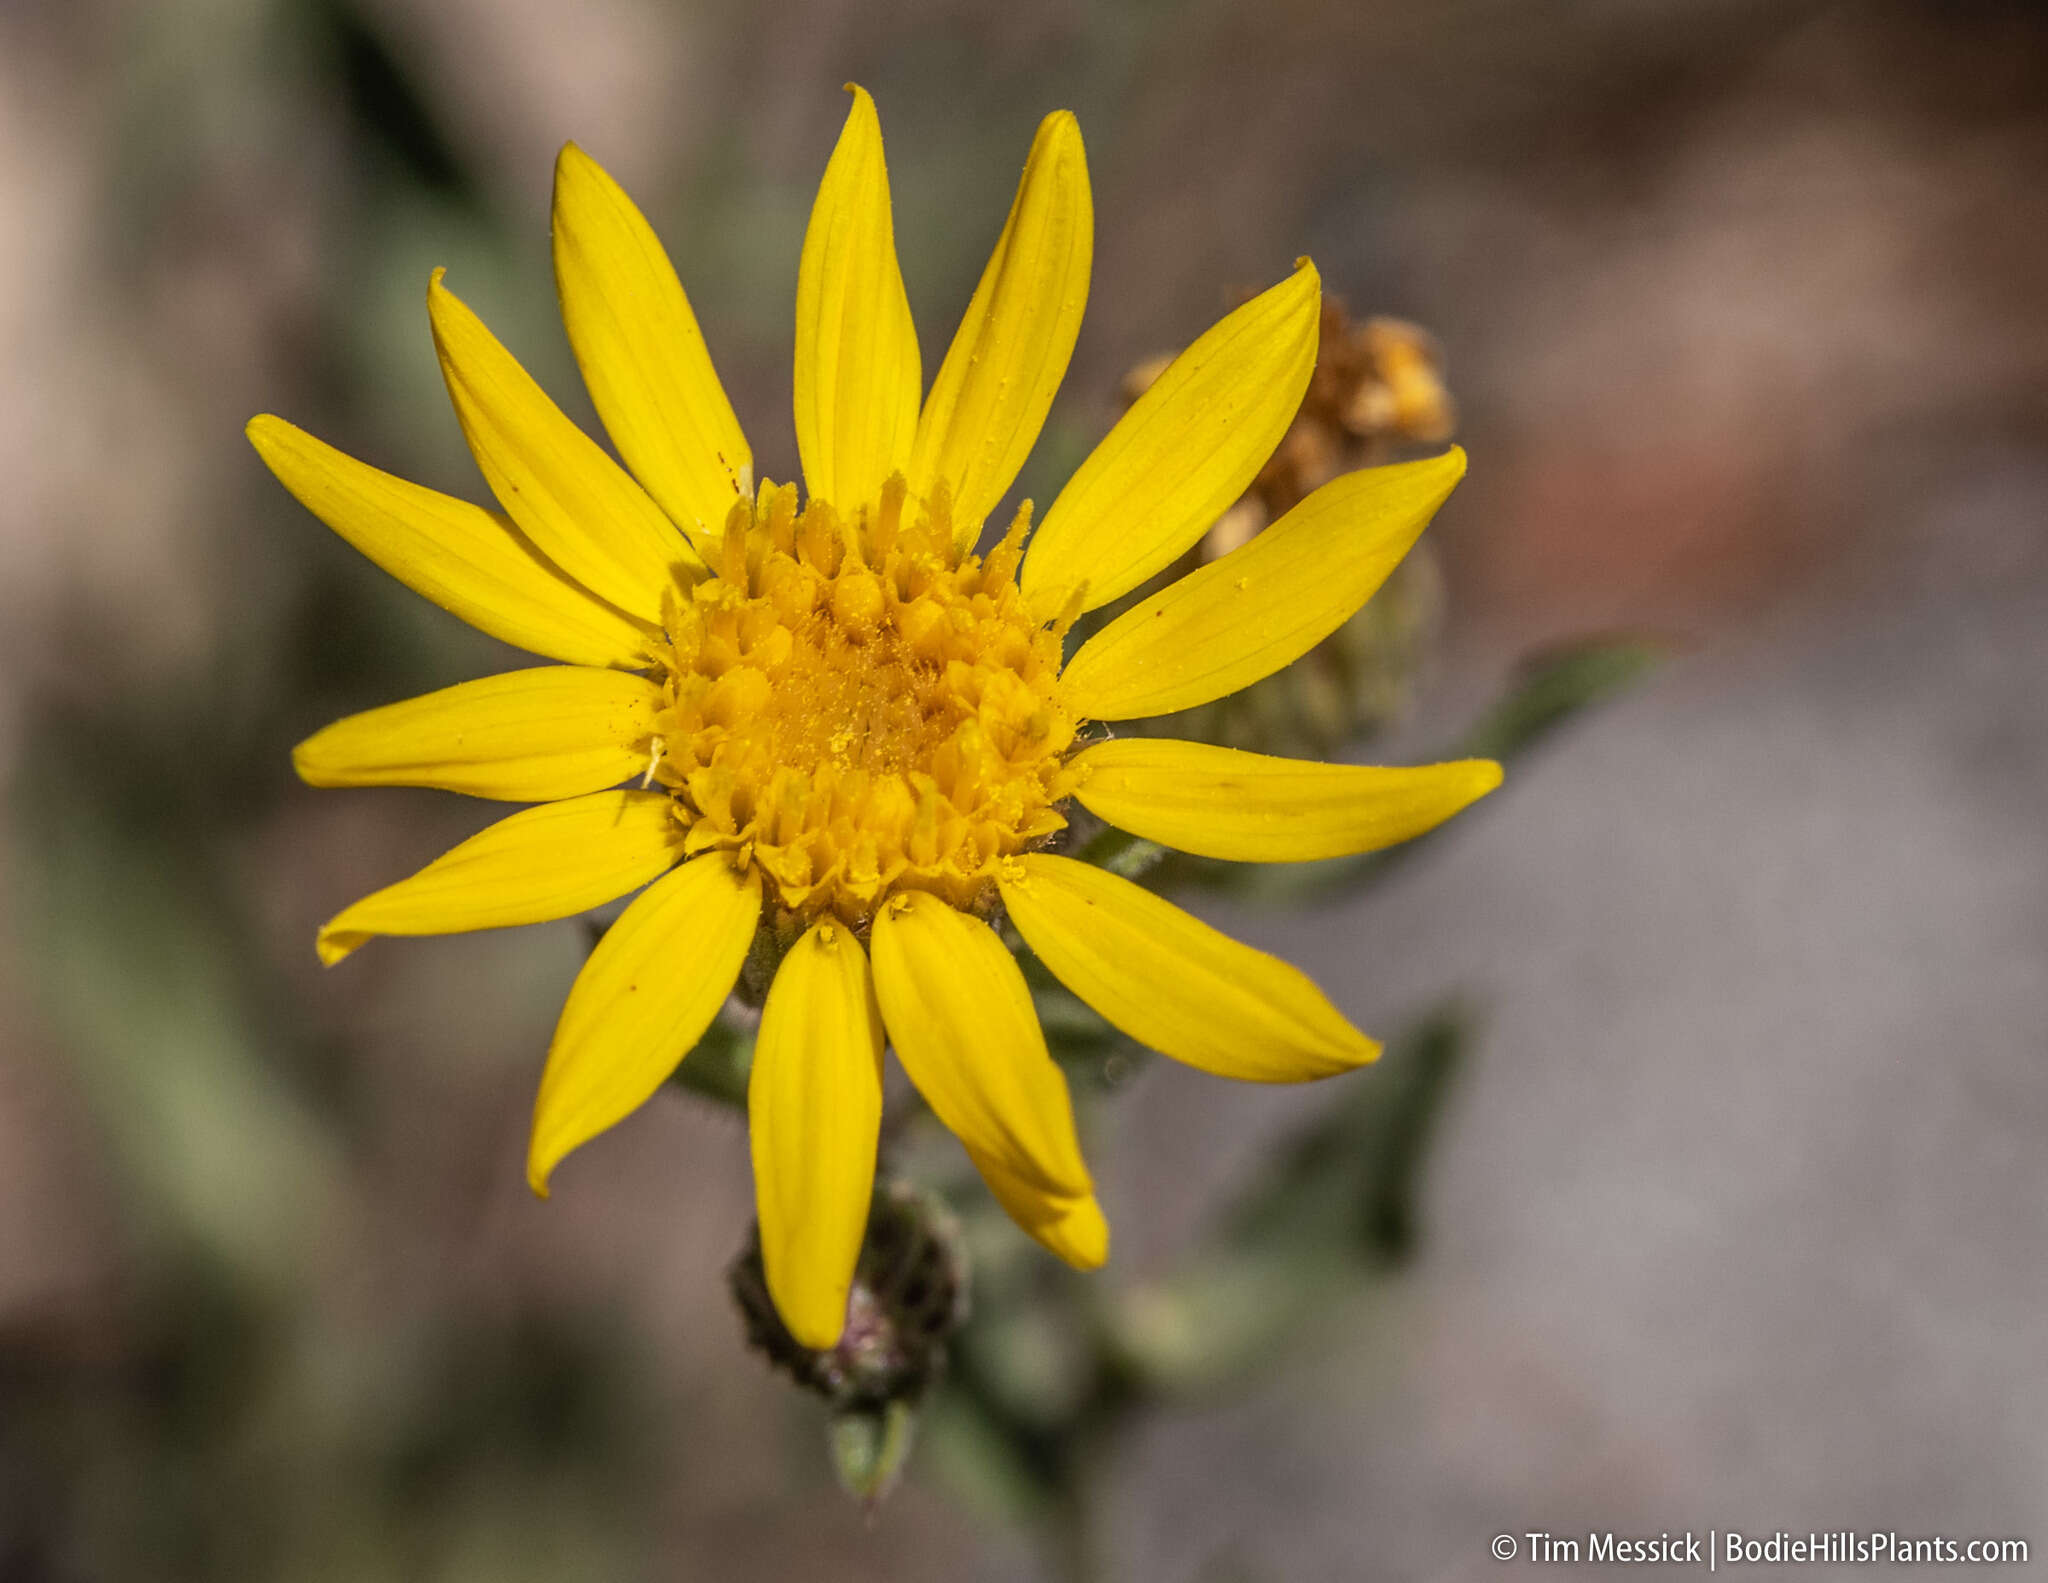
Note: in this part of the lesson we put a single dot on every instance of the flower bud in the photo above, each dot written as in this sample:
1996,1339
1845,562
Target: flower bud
1377,388
909,1296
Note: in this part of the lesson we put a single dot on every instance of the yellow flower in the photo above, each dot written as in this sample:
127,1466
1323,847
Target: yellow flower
832,722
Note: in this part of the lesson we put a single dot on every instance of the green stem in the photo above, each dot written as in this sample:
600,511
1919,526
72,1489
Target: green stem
1079,1540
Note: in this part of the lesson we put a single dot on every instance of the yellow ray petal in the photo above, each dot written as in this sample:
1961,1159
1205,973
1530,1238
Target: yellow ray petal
1265,604
540,863
642,1001
643,358
467,560
998,379
1187,448
857,373
1172,982
814,1108
961,1018
1073,1228
1250,808
579,507
524,736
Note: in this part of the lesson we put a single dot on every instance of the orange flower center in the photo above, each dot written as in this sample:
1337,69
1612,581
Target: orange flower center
857,709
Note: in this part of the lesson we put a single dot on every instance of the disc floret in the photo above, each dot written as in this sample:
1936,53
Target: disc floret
857,709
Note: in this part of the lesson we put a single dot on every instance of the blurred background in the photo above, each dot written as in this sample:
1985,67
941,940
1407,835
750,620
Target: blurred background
1734,1211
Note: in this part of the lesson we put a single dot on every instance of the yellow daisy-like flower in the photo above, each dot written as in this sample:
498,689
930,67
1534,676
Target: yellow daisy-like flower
829,720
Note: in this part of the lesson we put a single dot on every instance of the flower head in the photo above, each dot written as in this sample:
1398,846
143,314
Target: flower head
822,720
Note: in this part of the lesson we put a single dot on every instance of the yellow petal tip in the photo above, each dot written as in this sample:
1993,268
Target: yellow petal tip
862,111
304,764
816,1333
1061,132
1349,1049
335,944
538,1170
572,164
818,1340
1307,280
1082,1238
1443,474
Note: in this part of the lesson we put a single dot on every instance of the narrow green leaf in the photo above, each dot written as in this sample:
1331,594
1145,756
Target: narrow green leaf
1349,1178
1554,685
